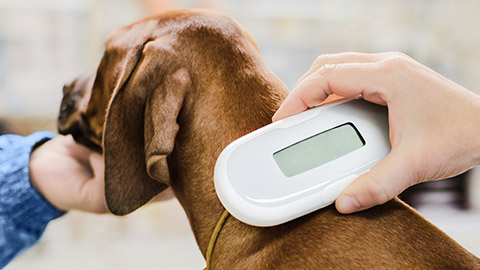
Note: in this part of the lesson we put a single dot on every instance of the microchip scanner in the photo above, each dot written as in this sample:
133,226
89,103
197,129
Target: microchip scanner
301,163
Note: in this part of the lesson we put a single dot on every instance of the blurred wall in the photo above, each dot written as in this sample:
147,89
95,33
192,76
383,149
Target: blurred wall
46,43
440,34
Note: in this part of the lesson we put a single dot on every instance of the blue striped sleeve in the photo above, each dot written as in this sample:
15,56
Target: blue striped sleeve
24,213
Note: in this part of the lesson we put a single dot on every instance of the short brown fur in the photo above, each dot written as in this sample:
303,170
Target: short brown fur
175,89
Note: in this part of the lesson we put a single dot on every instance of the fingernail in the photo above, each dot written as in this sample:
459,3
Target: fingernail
347,204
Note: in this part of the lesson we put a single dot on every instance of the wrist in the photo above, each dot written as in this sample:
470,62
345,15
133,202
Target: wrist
19,196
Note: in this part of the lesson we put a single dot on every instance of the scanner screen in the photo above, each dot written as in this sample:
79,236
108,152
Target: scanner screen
318,149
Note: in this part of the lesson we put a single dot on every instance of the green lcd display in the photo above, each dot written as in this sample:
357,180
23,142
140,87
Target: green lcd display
318,149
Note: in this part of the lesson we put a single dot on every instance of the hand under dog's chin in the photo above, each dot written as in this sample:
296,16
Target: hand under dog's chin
80,138
87,142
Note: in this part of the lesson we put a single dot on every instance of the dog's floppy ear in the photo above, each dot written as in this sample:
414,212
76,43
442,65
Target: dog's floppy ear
141,126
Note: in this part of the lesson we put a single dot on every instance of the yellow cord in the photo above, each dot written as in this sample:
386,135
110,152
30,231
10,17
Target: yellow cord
214,236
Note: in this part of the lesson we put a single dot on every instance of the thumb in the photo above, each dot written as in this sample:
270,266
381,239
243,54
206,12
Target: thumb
382,183
94,188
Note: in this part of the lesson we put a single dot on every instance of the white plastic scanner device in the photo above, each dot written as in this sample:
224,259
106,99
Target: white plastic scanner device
301,163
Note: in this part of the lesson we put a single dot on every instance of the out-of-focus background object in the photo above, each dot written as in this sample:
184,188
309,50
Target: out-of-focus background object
46,43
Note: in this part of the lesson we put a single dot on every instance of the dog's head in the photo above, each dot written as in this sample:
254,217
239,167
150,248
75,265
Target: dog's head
71,119
147,80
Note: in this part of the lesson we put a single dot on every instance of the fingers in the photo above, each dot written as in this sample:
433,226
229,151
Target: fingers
382,183
346,80
97,164
341,58
343,74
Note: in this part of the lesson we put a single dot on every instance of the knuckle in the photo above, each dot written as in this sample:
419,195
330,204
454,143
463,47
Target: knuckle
394,62
320,61
399,54
377,192
398,60
321,58
384,194
325,70
378,196
396,66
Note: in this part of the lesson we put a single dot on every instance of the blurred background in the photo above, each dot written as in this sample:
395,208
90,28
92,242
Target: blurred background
47,43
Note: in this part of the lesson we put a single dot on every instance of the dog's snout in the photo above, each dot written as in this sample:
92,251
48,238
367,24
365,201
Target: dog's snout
67,106
71,119
73,128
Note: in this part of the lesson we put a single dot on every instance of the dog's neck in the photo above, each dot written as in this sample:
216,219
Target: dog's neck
219,114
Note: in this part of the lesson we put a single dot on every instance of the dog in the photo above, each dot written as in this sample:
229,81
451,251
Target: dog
170,92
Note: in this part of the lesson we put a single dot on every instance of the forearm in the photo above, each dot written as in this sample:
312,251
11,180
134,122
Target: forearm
24,213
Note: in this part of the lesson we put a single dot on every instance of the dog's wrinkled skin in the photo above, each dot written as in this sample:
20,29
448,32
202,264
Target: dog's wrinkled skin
177,88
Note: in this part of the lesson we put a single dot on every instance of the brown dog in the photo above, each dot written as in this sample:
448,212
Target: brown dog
170,93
